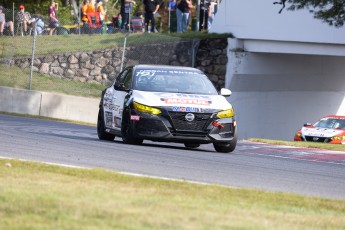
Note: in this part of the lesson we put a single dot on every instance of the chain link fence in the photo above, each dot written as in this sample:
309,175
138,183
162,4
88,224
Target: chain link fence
84,54
96,58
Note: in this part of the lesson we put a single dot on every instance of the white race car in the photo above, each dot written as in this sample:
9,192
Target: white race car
329,129
167,103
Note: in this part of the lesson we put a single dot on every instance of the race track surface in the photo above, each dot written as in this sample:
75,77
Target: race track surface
318,173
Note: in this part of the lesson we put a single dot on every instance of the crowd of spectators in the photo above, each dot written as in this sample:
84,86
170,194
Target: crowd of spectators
125,20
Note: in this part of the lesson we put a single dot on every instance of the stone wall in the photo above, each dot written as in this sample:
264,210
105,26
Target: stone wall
103,66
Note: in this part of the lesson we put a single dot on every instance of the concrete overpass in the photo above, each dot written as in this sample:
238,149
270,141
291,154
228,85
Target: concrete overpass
284,69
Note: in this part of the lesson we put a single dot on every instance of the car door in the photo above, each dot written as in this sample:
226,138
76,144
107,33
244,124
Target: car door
123,87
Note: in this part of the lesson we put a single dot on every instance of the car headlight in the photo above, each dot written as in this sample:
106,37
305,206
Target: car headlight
298,134
226,113
146,109
338,138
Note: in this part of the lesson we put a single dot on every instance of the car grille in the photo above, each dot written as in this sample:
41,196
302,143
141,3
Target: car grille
200,122
317,139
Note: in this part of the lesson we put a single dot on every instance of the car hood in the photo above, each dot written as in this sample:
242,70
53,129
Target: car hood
157,99
320,132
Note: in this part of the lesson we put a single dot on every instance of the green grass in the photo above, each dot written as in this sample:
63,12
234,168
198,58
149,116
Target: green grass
40,196
20,78
328,146
19,46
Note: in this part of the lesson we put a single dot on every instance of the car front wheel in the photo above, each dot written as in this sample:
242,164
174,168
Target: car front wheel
127,133
102,135
226,147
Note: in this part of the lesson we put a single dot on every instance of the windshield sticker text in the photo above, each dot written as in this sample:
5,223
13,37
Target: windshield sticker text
186,101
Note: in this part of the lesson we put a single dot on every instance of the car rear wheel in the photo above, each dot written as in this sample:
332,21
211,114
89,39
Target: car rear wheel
127,133
191,145
226,147
102,135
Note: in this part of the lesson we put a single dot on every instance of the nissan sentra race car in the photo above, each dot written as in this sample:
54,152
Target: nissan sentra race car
167,103
329,129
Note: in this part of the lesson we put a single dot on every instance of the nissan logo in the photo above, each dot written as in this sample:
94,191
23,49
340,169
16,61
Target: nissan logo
190,117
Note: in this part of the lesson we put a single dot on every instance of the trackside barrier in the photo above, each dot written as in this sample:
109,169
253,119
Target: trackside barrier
52,105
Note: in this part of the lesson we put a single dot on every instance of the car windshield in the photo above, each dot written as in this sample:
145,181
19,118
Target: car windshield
173,81
331,123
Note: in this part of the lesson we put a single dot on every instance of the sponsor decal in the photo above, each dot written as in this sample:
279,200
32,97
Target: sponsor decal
191,101
135,118
187,109
117,121
108,119
192,96
152,72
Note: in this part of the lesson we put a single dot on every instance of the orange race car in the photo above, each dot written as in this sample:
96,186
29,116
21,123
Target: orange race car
329,129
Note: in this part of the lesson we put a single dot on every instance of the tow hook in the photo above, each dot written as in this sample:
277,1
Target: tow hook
216,124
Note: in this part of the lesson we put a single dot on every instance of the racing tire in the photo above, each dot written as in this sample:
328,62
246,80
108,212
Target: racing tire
127,133
102,134
226,147
191,145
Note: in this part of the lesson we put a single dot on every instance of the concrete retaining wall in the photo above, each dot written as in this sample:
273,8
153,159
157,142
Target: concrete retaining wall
275,94
48,104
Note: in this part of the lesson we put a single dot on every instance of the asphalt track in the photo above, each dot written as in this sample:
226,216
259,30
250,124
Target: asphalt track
252,165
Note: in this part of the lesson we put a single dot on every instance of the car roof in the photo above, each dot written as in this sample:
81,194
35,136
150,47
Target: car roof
166,67
334,116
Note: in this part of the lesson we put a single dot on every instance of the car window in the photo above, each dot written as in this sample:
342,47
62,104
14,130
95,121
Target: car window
120,79
128,79
331,123
181,81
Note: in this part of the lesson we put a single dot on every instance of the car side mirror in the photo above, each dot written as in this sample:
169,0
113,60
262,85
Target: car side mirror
307,124
225,92
120,87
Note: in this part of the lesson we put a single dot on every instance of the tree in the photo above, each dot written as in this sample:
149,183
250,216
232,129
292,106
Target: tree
329,11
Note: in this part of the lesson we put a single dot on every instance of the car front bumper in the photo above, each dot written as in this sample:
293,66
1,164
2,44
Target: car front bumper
168,129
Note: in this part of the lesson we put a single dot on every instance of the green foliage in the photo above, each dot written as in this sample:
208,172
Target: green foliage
330,11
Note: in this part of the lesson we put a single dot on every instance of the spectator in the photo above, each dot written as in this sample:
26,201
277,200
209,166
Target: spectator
203,14
100,9
4,24
126,9
23,19
53,20
212,10
172,5
119,20
91,7
151,8
182,15
84,11
37,23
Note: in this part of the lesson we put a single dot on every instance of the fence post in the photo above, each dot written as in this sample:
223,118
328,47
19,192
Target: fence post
13,18
33,55
123,51
195,45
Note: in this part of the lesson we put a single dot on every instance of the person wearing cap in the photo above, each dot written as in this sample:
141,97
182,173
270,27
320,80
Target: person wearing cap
23,19
4,24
